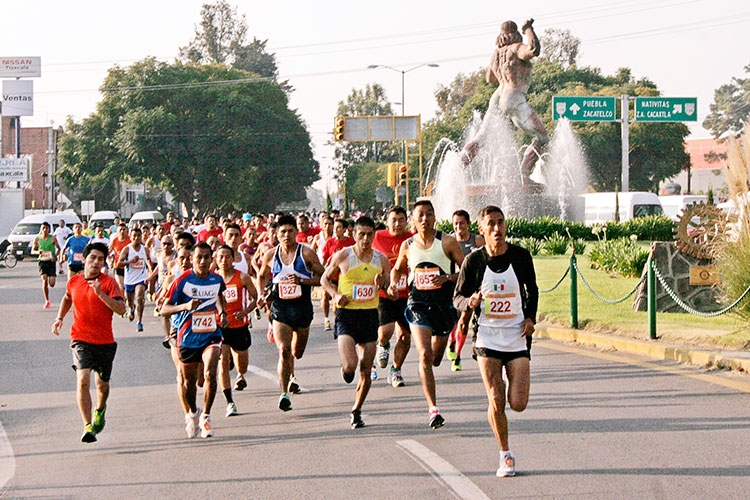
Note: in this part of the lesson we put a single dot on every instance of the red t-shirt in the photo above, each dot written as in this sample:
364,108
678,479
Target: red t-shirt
206,234
389,245
92,319
307,236
333,245
117,246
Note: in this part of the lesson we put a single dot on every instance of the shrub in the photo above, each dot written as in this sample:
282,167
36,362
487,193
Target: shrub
622,256
533,245
579,246
556,244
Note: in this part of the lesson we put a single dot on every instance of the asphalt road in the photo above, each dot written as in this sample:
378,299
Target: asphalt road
598,426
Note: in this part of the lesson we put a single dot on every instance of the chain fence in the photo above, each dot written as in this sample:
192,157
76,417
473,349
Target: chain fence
608,301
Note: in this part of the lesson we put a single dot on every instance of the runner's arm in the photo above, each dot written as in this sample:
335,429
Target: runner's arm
468,285
35,246
314,265
385,277
65,304
114,301
247,282
399,268
330,271
264,274
122,261
453,251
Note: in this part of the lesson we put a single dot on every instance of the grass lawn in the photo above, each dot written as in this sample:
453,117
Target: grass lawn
554,307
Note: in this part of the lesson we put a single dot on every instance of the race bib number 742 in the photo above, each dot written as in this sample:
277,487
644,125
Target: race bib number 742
204,322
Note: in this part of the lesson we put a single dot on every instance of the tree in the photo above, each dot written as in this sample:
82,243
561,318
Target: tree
730,109
187,128
559,46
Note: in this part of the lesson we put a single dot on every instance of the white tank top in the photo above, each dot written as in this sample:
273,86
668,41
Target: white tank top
322,240
501,315
242,264
136,272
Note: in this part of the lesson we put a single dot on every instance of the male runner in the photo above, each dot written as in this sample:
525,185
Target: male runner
498,284
361,271
94,297
468,243
339,240
136,260
47,248
233,239
305,233
211,229
391,312
240,298
326,233
257,260
294,269
429,255
196,297
117,243
72,251
62,233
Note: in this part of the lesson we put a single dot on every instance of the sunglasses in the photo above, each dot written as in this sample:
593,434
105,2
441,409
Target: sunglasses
167,243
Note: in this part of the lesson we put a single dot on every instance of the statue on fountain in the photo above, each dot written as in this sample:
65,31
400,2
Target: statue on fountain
510,67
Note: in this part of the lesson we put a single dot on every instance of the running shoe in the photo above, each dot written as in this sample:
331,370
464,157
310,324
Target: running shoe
140,326
205,425
507,466
357,421
131,315
240,384
191,425
328,325
232,410
150,297
452,351
89,436
157,313
285,404
269,334
384,352
165,342
257,314
436,420
99,422
46,306
456,366
293,386
374,373
395,378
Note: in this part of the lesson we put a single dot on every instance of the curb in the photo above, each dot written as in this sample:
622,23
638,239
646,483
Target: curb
651,349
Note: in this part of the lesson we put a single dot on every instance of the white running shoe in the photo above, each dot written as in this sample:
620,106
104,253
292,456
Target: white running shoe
507,466
191,425
205,426
383,354
232,410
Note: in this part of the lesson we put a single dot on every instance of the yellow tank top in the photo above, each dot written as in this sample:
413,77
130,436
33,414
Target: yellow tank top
359,281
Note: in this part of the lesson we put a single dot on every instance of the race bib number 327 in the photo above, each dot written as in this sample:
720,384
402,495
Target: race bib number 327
289,291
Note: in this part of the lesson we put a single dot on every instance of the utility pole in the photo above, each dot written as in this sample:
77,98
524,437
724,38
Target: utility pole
625,178
51,167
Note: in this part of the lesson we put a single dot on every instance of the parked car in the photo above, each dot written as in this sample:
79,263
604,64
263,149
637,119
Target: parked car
104,217
27,228
674,205
599,208
150,216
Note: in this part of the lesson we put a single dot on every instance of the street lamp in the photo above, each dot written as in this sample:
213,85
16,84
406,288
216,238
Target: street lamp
403,75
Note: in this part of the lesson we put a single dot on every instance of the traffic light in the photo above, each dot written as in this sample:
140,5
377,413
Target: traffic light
391,175
338,131
402,175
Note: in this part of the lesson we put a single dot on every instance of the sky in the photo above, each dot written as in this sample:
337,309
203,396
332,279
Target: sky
687,47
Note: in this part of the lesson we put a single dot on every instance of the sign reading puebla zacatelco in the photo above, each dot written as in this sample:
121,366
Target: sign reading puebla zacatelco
584,109
666,109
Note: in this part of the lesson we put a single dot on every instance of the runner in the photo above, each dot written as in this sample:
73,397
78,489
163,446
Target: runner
305,233
112,230
72,251
256,262
117,243
429,255
184,262
233,239
339,240
153,243
498,284
137,262
195,298
468,242
211,229
391,312
86,230
361,270
94,296
326,233
294,269
62,233
46,247
240,298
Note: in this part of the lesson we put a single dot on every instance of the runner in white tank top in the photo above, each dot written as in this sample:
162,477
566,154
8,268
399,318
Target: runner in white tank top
136,260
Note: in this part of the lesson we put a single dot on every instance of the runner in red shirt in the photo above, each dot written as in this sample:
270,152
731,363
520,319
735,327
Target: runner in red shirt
94,296
305,233
212,229
338,241
116,244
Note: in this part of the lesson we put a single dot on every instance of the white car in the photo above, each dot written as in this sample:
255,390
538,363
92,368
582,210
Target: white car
27,228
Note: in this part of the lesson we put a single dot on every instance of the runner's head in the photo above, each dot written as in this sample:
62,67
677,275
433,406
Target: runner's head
339,228
44,229
77,228
364,232
214,242
396,220
232,235
461,222
99,231
122,231
225,258
170,217
423,216
185,240
185,257
210,222
167,245
136,235
61,223
287,232
303,224
202,257
273,233
327,224
492,225
94,257
322,216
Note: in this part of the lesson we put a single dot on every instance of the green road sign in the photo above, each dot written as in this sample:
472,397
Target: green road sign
666,109
584,109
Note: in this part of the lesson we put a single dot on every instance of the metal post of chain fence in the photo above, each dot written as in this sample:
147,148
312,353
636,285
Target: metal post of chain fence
651,294
573,292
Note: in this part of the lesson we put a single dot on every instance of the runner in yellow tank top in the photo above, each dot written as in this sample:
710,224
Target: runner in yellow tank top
362,271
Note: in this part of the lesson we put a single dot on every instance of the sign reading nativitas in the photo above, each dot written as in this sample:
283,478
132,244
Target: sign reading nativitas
14,169
18,97
666,109
20,67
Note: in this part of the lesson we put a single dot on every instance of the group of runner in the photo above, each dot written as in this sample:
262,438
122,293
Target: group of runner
421,284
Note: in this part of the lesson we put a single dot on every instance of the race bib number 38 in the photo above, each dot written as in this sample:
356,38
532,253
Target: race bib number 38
204,322
422,278
289,291
500,306
363,292
230,294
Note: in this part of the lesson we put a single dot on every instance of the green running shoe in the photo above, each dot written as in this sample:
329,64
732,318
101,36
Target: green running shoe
89,436
452,351
98,424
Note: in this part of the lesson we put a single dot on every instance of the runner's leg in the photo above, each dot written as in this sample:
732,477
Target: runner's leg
299,342
187,393
403,344
210,362
83,386
438,349
140,299
518,371
492,375
283,336
175,353
225,362
423,342
366,357
102,392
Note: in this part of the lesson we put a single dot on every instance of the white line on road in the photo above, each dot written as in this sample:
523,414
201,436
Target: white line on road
460,484
7,461
263,373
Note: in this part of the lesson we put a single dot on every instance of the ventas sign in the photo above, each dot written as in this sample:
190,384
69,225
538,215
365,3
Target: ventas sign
18,97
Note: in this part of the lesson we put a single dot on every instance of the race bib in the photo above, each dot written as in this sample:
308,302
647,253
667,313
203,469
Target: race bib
138,265
46,255
500,306
402,283
422,277
78,257
204,322
231,294
363,292
289,291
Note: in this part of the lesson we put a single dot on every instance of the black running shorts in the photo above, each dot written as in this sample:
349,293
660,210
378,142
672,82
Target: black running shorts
359,324
47,267
295,314
439,319
120,271
97,357
237,338
195,355
504,357
392,311
75,268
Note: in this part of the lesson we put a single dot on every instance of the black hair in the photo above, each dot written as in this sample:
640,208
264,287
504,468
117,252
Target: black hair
98,246
273,225
45,224
397,209
365,221
185,236
202,245
122,224
423,203
490,209
226,247
287,220
343,222
232,225
464,214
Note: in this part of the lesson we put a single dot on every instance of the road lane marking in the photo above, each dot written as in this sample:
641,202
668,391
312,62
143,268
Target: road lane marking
263,373
713,379
461,485
7,461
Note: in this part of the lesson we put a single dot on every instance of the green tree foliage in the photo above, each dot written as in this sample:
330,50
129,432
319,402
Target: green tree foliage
731,107
362,181
182,127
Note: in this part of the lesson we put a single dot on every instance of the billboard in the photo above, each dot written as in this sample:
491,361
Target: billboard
14,169
19,67
18,98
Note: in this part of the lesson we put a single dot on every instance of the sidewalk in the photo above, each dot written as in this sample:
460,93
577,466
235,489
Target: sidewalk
733,360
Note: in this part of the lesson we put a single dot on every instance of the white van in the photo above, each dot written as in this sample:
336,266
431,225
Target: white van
149,216
599,208
674,205
104,217
27,228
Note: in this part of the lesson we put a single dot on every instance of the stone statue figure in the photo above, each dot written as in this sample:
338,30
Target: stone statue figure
510,67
